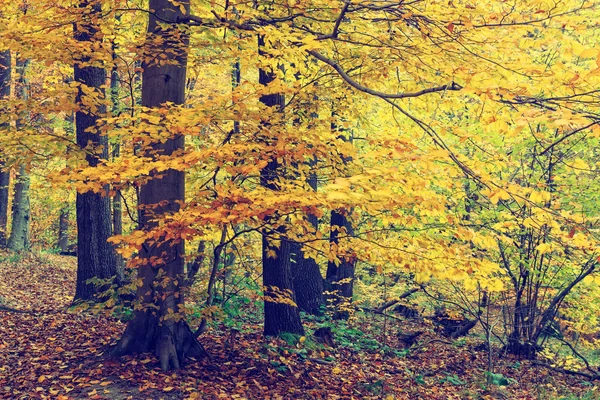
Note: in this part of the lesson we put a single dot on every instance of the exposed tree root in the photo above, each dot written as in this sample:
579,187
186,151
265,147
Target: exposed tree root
172,344
14,310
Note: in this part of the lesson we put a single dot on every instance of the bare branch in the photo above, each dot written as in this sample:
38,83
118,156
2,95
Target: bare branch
338,21
566,136
451,86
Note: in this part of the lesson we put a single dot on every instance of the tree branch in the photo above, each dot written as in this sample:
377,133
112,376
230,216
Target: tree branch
451,86
390,303
338,21
566,136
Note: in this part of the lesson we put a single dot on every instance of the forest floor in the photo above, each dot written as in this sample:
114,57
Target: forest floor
51,353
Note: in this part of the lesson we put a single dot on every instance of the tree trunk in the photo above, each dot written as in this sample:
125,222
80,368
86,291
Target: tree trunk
95,256
19,232
307,278
5,77
63,229
281,311
117,205
340,278
160,326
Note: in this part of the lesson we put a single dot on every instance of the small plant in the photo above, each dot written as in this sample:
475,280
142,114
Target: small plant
498,379
290,339
453,379
11,258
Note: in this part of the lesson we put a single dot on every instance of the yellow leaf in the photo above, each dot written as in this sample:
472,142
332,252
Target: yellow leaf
588,53
544,248
336,371
579,164
499,195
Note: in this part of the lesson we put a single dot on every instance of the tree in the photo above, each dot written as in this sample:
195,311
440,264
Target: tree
281,311
306,273
117,204
340,270
19,233
63,230
159,325
5,78
95,256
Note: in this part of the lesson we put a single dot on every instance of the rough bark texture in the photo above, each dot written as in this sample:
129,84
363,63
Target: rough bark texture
19,232
5,77
95,256
281,312
306,273
340,278
152,330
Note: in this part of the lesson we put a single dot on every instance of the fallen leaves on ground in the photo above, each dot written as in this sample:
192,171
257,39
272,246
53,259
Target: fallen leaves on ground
51,353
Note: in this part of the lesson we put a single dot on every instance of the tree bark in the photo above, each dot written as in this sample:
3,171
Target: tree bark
340,278
281,311
160,326
63,229
117,205
307,278
5,77
19,232
95,256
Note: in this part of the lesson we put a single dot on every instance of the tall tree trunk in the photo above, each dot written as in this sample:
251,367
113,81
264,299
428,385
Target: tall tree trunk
117,205
65,211
340,277
281,311
307,278
153,328
19,232
5,77
95,256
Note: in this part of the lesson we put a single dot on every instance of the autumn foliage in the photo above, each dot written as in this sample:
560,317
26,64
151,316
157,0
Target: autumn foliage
307,164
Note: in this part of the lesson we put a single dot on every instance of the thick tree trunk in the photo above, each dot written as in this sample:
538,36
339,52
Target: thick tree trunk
307,280
306,273
5,77
95,256
281,311
340,277
160,326
19,232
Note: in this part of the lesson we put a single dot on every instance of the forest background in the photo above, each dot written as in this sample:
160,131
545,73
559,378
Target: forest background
322,161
